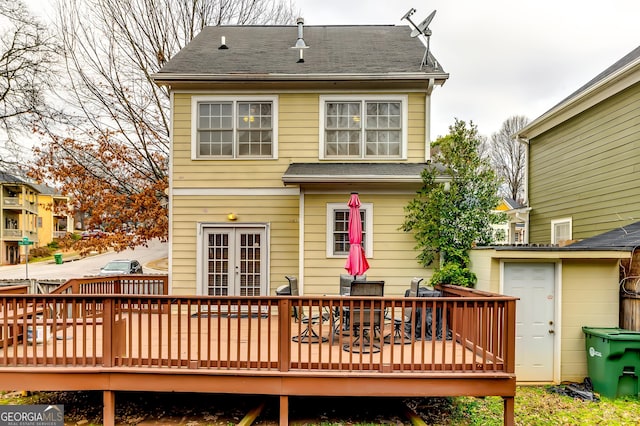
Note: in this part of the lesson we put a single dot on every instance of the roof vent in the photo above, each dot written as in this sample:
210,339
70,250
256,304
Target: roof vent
223,44
300,44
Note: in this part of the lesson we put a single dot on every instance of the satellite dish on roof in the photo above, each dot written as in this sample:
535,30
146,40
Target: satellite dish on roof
421,31
423,27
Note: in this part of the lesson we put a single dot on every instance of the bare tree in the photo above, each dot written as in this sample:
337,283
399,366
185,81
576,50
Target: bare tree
111,105
508,157
26,58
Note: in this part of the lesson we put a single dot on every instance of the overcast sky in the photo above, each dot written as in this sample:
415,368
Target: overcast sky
504,57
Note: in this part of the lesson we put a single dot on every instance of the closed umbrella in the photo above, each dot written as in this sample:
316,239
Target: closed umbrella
356,261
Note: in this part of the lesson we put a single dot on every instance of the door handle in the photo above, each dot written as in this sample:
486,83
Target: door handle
551,331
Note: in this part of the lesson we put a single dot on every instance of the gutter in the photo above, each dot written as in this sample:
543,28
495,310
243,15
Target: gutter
438,78
292,179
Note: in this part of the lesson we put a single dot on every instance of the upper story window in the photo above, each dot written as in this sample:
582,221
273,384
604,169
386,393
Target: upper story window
561,230
239,127
354,127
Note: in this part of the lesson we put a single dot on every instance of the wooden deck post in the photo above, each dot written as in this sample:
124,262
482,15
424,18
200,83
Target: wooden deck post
284,320
284,410
509,415
109,408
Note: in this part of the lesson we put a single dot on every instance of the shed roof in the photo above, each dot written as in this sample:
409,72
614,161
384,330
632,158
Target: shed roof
625,238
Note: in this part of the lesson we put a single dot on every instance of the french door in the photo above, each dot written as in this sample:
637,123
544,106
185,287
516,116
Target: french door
235,261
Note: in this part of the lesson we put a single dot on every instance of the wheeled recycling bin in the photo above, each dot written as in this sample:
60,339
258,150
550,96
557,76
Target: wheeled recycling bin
613,360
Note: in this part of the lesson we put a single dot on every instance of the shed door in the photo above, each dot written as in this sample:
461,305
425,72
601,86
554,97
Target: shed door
534,284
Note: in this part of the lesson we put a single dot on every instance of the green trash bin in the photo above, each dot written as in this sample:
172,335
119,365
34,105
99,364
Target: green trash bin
613,360
58,258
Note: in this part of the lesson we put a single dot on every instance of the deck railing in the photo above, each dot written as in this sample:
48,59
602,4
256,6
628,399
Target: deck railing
463,334
117,284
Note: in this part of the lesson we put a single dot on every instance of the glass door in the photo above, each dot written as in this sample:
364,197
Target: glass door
235,262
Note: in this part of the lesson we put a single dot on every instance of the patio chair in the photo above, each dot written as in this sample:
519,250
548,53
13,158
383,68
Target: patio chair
405,321
308,334
365,320
342,323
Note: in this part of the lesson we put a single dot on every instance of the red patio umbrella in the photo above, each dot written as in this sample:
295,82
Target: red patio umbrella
356,261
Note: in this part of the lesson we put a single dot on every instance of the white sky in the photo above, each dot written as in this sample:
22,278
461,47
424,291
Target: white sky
504,57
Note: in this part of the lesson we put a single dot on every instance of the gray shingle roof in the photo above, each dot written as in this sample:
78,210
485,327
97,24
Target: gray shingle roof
625,238
9,178
264,51
355,172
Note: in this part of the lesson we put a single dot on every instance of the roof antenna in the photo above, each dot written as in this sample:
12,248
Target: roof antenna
422,31
300,44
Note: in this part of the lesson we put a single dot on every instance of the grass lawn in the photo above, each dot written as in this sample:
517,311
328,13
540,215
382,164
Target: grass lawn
535,405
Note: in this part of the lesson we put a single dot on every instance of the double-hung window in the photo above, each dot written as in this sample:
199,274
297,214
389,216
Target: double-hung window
561,230
234,127
363,128
338,229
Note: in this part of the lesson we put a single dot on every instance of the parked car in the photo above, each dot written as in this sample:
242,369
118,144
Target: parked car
92,233
121,267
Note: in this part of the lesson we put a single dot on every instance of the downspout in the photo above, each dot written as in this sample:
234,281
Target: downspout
525,141
301,241
427,120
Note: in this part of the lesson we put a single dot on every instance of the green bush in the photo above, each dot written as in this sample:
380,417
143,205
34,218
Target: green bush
453,273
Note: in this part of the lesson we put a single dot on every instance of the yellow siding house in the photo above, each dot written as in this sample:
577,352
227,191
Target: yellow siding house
269,141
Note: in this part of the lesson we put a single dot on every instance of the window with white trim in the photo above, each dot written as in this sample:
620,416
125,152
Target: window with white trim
225,128
363,128
561,230
338,229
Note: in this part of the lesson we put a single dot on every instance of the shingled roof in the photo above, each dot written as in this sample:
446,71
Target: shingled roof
356,172
265,52
625,238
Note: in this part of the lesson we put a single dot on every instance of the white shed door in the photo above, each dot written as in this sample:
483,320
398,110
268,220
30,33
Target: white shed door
534,284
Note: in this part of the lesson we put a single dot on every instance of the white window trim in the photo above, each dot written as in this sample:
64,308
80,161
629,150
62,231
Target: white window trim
368,212
555,222
404,101
241,98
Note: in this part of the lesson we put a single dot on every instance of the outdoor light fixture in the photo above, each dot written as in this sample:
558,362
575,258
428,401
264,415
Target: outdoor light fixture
232,216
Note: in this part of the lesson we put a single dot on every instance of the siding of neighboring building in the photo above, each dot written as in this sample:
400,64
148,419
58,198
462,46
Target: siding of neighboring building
587,169
394,257
45,215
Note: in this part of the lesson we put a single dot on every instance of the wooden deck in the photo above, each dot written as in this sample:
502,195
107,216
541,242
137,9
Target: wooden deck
245,345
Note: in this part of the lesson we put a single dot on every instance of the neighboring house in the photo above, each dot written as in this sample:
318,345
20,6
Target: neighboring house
513,229
583,168
18,216
53,221
268,142
584,158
